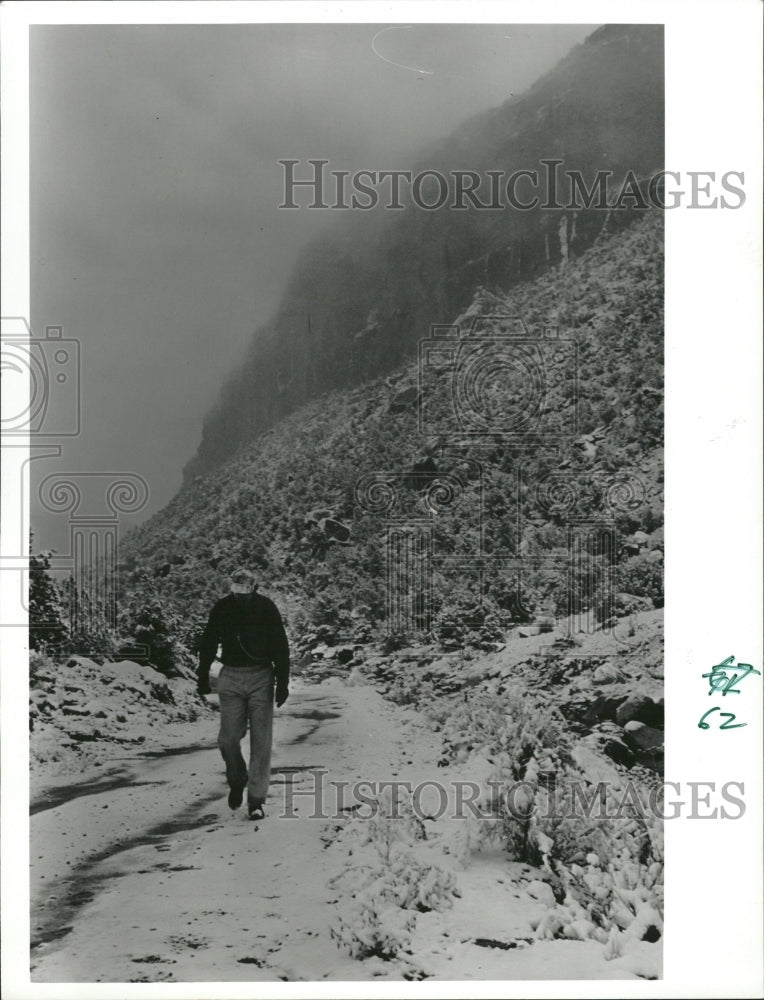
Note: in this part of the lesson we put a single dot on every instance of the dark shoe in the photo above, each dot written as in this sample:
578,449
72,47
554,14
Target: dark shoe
236,796
256,810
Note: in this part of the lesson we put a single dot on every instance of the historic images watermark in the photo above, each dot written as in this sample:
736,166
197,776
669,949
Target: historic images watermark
550,187
335,799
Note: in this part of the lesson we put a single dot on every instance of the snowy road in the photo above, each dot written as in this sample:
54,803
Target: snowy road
145,875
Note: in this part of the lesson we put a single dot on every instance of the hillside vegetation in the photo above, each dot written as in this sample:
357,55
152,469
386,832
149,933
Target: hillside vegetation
299,504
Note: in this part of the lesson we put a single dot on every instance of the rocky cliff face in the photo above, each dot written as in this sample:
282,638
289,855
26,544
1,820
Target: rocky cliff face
365,292
307,503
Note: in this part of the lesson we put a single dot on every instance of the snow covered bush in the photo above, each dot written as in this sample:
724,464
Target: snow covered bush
380,913
369,927
408,689
605,867
642,576
615,893
394,641
394,880
48,624
149,619
513,729
462,621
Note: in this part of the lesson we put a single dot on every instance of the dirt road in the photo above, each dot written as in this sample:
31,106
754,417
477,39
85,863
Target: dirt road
145,875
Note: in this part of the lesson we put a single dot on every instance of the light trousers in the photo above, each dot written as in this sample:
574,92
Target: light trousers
246,700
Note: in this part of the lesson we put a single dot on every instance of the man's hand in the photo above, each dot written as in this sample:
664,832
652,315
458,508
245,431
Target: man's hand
203,686
282,693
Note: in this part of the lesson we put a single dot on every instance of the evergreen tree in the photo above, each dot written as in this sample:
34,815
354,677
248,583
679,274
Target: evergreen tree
48,626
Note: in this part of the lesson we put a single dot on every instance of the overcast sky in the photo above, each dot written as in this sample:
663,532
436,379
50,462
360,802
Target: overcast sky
156,237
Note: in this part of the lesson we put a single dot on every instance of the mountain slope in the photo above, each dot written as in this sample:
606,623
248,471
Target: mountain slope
294,503
364,292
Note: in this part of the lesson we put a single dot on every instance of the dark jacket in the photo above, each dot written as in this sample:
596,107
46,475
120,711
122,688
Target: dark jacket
251,633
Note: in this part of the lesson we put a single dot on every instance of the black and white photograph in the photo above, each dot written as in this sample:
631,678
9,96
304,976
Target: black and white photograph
339,513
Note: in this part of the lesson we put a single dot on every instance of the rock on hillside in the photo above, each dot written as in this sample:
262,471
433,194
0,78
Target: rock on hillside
607,686
79,711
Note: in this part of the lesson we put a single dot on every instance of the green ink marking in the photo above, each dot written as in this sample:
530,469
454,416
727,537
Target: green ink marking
720,680
729,716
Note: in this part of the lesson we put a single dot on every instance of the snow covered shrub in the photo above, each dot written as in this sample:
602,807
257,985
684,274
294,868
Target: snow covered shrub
394,641
634,877
537,822
410,689
383,893
371,926
643,577
605,869
512,729
464,623
528,755
48,624
148,618
379,914
91,633
66,618
394,821
613,892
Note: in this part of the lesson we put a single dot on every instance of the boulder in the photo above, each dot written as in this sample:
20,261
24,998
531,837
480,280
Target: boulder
592,764
420,474
135,652
586,445
318,515
335,531
630,604
326,633
404,399
344,655
81,661
601,709
641,737
640,708
618,751
607,674
628,549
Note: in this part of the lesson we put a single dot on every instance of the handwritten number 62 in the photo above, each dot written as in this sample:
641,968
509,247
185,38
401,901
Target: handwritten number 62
727,724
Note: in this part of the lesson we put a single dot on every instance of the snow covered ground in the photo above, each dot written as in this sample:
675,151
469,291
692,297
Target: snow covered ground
141,873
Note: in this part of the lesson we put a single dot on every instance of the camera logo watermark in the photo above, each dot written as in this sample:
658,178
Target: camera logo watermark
493,385
41,402
41,381
495,380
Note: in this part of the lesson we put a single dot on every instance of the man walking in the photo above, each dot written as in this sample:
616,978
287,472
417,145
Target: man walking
254,654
